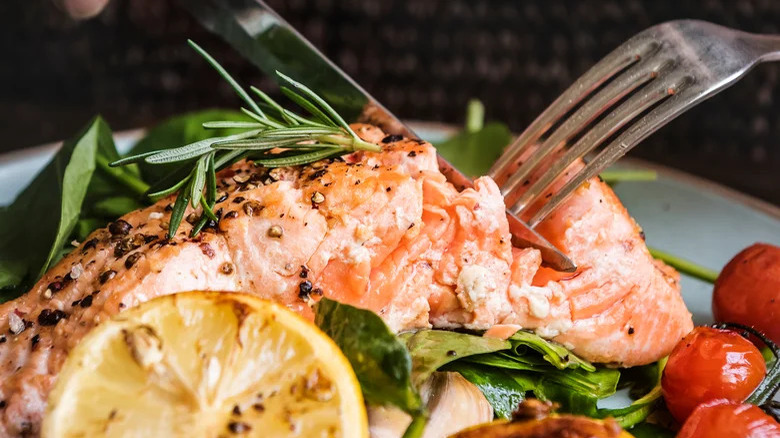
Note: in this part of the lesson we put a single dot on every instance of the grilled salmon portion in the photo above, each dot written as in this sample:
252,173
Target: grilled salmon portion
383,231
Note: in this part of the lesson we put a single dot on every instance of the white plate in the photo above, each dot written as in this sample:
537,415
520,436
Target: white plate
681,214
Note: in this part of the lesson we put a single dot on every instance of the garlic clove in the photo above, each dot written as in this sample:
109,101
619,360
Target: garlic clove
454,404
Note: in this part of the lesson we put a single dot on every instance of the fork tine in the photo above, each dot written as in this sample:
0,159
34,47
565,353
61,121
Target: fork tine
612,123
677,102
612,64
636,76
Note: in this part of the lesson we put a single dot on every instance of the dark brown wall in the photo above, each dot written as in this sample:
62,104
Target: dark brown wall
424,59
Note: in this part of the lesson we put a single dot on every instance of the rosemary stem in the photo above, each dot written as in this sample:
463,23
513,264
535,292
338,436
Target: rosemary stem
686,267
351,143
135,184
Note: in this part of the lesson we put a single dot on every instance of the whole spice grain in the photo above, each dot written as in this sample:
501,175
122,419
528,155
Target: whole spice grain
275,231
50,316
252,208
107,275
119,227
132,259
317,198
226,268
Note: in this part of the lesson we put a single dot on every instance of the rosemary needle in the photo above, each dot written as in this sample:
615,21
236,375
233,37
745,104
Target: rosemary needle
275,137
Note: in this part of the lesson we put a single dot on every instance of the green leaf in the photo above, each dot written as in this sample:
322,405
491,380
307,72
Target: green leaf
474,152
312,96
501,390
211,180
36,226
228,124
647,381
176,131
432,349
87,225
281,112
194,150
598,384
115,206
198,181
225,75
380,360
571,401
312,109
296,160
179,208
552,352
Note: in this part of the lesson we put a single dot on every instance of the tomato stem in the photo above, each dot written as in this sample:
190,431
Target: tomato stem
766,390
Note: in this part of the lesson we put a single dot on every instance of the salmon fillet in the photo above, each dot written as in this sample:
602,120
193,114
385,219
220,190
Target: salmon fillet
383,231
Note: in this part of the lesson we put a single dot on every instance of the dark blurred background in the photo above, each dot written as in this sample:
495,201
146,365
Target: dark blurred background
423,58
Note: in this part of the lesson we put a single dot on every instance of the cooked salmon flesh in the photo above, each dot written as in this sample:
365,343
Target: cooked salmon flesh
383,231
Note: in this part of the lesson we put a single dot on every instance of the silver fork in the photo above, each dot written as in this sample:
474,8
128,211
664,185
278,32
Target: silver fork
639,87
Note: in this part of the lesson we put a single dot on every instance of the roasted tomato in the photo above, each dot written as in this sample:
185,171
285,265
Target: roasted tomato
748,290
710,364
727,419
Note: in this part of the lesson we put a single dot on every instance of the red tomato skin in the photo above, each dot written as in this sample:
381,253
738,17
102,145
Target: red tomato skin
747,290
727,419
709,364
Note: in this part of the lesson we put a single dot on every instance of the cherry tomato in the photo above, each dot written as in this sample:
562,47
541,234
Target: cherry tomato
748,290
727,419
709,364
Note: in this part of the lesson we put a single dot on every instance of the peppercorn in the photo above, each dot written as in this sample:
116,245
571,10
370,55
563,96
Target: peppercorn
50,316
107,275
119,227
132,259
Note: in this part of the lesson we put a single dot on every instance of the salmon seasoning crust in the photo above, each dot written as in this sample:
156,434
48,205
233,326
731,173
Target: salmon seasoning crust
383,231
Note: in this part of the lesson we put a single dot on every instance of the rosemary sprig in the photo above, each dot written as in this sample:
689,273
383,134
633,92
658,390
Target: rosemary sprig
276,137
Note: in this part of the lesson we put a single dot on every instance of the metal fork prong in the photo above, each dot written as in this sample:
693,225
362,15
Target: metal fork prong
600,73
659,116
604,100
602,131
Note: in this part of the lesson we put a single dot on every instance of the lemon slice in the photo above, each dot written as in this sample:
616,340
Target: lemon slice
206,364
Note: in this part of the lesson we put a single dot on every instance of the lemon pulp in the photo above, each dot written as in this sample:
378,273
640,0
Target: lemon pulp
206,364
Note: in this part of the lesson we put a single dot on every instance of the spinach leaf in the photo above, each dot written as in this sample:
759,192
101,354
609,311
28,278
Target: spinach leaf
37,225
599,383
571,400
474,152
501,389
176,131
637,379
552,352
380,360
432,349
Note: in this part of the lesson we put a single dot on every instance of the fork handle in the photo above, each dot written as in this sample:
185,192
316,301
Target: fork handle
766,47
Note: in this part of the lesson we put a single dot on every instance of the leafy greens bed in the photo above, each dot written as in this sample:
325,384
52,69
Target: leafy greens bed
392,368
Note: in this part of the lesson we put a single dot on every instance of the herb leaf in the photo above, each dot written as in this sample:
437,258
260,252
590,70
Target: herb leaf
290,140
176,131
38,224
380,360
432,349
552,352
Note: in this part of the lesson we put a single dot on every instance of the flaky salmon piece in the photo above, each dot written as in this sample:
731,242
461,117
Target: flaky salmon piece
383,231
